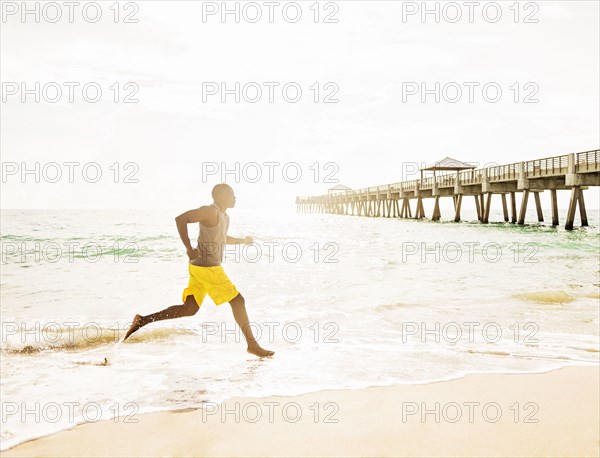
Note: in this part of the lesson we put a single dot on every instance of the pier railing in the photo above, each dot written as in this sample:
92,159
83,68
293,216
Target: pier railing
550,166
588,161
503,172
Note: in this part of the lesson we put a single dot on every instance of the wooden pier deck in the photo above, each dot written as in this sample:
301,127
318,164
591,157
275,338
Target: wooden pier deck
573,172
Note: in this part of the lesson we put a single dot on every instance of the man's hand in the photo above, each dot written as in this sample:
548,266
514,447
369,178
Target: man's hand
207,215
193,253
248,240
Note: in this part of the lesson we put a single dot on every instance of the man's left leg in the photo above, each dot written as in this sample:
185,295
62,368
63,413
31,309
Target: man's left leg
188,308
238,307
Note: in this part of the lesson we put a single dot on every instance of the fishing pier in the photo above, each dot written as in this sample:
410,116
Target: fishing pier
573,172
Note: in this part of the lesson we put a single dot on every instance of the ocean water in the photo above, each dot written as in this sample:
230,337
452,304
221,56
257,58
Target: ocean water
346,302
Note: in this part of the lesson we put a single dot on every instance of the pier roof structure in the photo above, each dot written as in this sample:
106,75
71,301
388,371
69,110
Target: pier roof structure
449,164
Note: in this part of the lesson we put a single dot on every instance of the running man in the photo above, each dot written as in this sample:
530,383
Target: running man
206,273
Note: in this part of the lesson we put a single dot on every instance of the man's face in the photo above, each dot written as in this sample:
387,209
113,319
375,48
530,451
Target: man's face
224,196
229,198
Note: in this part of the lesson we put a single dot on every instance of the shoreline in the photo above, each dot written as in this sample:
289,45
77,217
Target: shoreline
484,409
459,376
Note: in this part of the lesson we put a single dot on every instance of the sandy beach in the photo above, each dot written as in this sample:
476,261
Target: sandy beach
550,414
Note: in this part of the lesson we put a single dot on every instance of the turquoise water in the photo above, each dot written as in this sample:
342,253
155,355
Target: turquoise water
346,302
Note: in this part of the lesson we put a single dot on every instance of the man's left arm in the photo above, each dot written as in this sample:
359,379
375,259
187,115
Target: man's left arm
235,241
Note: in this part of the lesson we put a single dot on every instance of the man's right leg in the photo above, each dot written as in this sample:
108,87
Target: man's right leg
238,307
189,308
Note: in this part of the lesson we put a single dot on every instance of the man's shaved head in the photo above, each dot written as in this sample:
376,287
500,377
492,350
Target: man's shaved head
223,196
219,190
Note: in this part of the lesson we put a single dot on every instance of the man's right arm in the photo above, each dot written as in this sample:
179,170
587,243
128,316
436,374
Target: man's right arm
202,214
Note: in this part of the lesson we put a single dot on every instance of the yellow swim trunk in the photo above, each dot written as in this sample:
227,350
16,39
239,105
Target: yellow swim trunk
211,280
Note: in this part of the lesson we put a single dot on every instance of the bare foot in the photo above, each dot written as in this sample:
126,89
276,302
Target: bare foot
135,325
259,351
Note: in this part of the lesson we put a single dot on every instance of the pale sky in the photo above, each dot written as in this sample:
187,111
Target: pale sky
368,56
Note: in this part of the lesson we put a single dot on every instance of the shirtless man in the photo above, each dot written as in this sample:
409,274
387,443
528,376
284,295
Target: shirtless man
206,273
